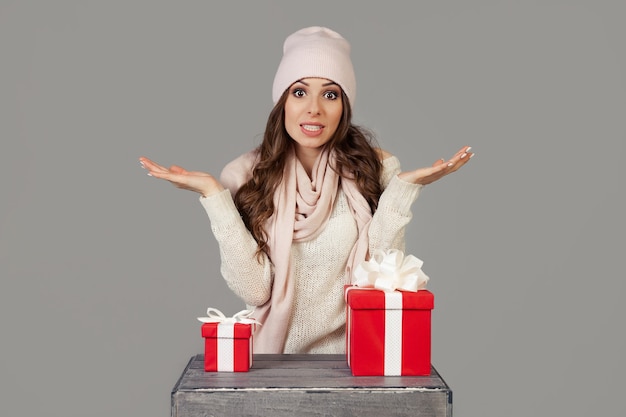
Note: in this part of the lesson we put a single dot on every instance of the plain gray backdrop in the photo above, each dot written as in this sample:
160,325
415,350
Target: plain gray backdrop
104,269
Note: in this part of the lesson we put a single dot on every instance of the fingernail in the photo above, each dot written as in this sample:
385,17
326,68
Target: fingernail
149,174
468,149
463,156
450,164
141,163
472,155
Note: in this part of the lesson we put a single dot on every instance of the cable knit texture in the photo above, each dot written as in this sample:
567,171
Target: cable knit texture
317,322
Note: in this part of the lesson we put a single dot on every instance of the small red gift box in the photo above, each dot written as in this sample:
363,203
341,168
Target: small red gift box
228,341
388,333
227,347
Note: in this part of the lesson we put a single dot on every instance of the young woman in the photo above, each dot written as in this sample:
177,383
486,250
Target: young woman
295,216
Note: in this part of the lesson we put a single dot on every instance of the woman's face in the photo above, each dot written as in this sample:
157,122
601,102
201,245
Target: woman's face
312,112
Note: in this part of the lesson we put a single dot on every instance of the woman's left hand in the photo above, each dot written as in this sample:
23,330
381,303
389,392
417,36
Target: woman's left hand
439,169
200,182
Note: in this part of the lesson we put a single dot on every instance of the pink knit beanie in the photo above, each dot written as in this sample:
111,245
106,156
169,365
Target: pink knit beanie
315,52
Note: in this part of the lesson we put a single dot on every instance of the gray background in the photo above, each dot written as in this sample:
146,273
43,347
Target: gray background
104,269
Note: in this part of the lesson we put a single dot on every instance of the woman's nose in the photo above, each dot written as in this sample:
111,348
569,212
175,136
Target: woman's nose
314,106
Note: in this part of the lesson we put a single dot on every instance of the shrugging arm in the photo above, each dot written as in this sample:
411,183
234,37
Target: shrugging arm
250,279
394,209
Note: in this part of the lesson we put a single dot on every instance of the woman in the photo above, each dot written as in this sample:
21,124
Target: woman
295,216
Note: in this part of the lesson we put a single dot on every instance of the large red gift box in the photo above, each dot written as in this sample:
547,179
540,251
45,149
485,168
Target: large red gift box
388,333
227,347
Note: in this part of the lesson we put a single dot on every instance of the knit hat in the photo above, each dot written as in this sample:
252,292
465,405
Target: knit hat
315,52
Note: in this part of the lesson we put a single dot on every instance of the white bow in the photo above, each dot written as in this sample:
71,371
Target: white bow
389,271
216,316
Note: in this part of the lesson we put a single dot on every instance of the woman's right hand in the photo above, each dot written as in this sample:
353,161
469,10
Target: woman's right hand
199,182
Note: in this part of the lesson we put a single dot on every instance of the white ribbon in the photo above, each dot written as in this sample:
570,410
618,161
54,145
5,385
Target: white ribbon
216,316
391,270
392,362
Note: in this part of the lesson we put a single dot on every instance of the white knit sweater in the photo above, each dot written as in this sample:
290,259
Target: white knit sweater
317,324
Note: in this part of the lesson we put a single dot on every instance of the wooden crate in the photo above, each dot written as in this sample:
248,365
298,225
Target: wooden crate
306,385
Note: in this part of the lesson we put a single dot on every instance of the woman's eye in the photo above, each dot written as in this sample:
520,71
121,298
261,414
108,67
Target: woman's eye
331,95
298,92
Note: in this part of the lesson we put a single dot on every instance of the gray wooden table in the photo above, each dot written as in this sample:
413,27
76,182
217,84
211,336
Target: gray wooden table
306,385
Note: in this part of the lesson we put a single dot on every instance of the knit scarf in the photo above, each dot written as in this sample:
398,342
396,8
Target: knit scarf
302,207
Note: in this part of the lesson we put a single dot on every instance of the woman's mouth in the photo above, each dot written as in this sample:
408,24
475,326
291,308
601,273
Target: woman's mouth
311,130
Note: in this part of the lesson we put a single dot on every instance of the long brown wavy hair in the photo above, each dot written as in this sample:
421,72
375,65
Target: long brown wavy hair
356,158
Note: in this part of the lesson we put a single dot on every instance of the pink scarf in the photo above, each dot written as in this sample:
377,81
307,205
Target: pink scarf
302,207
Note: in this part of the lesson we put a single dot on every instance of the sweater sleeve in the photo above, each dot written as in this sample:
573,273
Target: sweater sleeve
248,277
394,209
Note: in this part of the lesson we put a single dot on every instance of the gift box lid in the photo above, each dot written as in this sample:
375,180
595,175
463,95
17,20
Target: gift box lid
241,331
369,299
